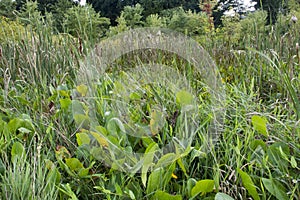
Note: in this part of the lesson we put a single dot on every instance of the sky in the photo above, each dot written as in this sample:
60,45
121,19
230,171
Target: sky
82,2
246,2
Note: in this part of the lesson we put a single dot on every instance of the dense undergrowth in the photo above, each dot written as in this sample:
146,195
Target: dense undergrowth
47,152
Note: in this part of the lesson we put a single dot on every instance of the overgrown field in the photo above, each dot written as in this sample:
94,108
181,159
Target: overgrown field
54,145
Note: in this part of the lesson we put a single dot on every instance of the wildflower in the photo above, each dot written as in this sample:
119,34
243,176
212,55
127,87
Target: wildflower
174,176
294,19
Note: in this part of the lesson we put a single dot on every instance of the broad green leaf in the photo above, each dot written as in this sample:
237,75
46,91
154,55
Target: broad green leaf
82,89
17,150
181,165
24,130
260,124
74,164
161,195
276,191
254,144
54,174
83,172
155,180
82,138
190,184
135,96
115,126
16,123
118,189
65,103
293,162
248,184
222,196
78,107
203,187
101,130
63,91
184,98
148,158
131,195
166,160
169,173
82,120
197,154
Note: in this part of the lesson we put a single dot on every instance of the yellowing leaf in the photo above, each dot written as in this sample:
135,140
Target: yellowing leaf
74,164
184,98
82,138
102,141
82,89
156,121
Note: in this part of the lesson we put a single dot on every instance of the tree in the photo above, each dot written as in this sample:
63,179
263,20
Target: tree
84,21
112,8
29,14
273,7
59,9
43,5
189,22
108,8
237,6
133,15
157,6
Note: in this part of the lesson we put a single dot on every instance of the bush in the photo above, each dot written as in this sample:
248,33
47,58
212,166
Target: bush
10,31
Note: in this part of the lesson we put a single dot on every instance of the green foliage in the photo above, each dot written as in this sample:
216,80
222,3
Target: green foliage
30,15
11,31
231,30
154,20
248,184
52,152
121,26
202,187
83,21
189,22
59,10
7,8
133,15
260,124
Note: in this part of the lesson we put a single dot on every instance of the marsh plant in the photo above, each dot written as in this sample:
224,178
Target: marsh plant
53,143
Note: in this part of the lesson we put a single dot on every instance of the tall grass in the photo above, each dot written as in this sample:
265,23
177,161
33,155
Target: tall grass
38,80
